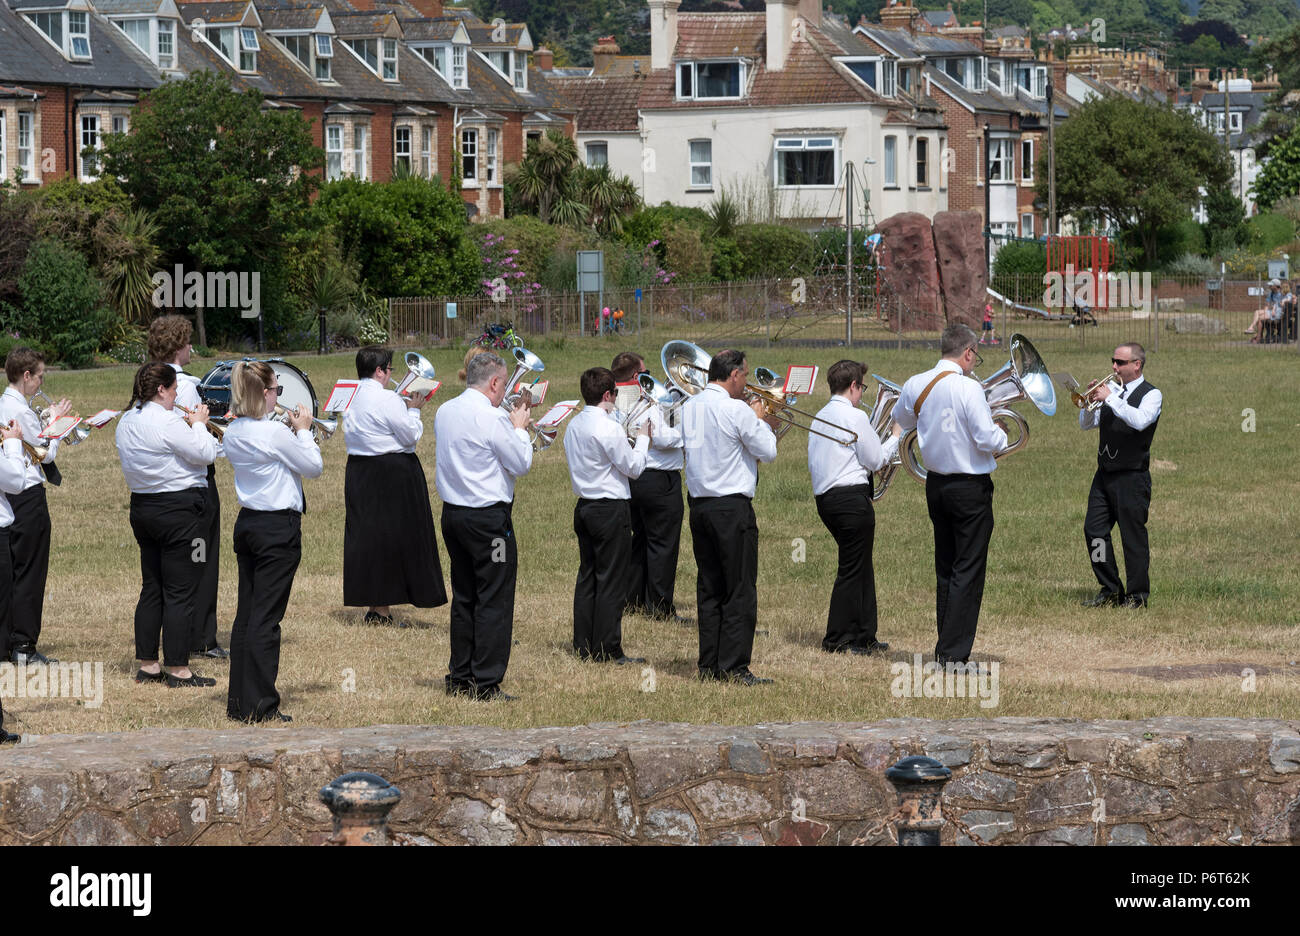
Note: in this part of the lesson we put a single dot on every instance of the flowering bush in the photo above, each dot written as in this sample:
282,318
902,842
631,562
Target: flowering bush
502,277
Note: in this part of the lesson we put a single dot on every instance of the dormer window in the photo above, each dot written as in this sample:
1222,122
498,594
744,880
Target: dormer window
248,49
79,34
324,56
390,60
67,31
880,75
521,71
310,52
156,38
1033,78
378,55
706,81
511,65
458,70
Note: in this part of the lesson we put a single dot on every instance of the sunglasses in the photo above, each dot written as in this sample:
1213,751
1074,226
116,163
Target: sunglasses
1118,363
279,390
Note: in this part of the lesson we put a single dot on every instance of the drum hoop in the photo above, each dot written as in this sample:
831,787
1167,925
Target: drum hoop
228,366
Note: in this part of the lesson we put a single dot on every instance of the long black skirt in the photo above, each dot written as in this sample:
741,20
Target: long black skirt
390,550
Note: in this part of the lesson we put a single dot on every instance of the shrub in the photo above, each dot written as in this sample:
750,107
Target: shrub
772,250
685,252
1267,232
1020,258
1184,237
1190,264
62,304
652,223
728,261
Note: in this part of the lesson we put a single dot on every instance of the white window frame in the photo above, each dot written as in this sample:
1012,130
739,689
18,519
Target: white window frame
490,157
165,28
350,45
876,60
979,74
388,59
921,182
943,164
469,150
1234,122
993,67
249,46
519,69
426,151
459,66
694,70
808,143
27,153
890,173
82,35
1030,217
89,134
1026,166
4,149
888,78
401,151
1002,167
360,143
591,148
121,124
333,149
223,34
324,45
693,164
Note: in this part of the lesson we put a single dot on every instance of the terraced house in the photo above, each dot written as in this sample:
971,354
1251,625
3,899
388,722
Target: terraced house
384,85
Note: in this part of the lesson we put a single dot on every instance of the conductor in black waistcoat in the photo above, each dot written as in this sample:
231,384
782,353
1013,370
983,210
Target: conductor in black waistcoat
1121,488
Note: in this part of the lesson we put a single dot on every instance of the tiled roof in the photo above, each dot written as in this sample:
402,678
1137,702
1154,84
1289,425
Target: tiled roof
289,17
717,35
12,92
480,34
352,23
222,11
613,65
114,7
605,104
26,58
428,29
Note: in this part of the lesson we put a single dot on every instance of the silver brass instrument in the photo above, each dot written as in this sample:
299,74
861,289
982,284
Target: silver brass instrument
1084,401
321,429
882,420
542,438
686,366
44,413
525,362
653,394
1023,377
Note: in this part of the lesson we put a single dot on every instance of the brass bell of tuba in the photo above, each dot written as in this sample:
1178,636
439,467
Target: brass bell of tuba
525,361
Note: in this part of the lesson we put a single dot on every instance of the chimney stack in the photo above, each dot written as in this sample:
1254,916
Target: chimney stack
544,59
663,32
602,54
779,18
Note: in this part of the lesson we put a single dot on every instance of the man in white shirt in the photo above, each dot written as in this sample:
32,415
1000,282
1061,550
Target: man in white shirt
600,465
958,438
169,343
480,452
656,506
841,481
1121,488
12,477
390,549
29,536
725,441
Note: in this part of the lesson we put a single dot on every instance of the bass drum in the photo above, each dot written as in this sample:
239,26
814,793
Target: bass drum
214,389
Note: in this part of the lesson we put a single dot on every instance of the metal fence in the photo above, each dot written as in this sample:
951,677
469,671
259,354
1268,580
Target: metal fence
1183,312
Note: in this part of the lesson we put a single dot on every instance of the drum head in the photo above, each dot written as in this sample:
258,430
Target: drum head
214,389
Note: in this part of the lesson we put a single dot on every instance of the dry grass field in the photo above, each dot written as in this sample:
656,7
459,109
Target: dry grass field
1225,577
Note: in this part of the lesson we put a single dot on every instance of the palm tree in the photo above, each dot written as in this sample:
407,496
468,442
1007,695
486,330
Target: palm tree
130,257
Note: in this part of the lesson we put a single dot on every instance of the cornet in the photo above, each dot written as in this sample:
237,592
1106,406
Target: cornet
321,429
216,430
1083,399
79,433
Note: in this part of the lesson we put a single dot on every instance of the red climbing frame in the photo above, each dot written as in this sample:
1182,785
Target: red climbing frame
1084,255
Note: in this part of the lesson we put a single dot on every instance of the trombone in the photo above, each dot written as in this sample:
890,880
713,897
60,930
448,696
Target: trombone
779,405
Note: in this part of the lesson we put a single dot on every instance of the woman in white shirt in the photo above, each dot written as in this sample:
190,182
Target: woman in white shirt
270,460
165,462
12,478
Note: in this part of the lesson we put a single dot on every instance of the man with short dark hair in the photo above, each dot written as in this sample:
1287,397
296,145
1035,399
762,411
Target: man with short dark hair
725,440
959,438
656,505
481,452
600,465
1121,488
29,536
842,486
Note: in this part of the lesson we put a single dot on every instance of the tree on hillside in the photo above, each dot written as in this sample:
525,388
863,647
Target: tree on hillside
1280,176
1138,166
224,179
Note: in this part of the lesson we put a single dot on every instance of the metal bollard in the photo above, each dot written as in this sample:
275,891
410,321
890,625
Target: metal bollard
919,782
360,803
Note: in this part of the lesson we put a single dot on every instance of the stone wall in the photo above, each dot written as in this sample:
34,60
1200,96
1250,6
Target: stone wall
1015,781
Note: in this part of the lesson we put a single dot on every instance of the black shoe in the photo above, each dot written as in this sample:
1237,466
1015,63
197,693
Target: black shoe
142,677
7,738
1104,598
29,656
876,646
495,694
212,653
457,688
625,660
745,678
275,715
194,681
681,619
708,675
373,617
1135,601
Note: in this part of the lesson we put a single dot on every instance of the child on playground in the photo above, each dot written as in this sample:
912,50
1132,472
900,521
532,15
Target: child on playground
988,337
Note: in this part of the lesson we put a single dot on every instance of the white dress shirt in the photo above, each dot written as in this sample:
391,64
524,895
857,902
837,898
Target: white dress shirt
160,452
13,406
379,422
832,464
725,441
666,442
1138,417
956,430
600,460
479,453
13,475
187,388
270,461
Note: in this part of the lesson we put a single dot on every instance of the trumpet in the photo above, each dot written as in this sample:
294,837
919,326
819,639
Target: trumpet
1082,397
525,361
321,429
216,430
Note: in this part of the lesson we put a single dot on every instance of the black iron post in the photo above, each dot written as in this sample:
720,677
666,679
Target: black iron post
360,803
919,782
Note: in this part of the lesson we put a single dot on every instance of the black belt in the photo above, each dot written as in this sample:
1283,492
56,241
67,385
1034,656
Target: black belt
498,504
284,512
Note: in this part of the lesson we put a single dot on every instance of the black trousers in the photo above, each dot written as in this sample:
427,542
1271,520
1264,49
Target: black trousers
6,603
656,510
169,529
268,547
1122,497
724,534
205,605
961,509
484,562
29,550
850,517
604,547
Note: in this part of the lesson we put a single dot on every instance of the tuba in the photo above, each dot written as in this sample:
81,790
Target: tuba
525,361
686,366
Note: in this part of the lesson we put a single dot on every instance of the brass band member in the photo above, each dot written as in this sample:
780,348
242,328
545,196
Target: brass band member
600,466
481,451
656,507
29,536
169,343
13,475
1121,488
841,483
725,441
959,437
164,460
269,461
390,550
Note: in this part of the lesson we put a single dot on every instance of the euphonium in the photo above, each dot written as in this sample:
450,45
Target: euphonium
653,393
525,361
882,420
